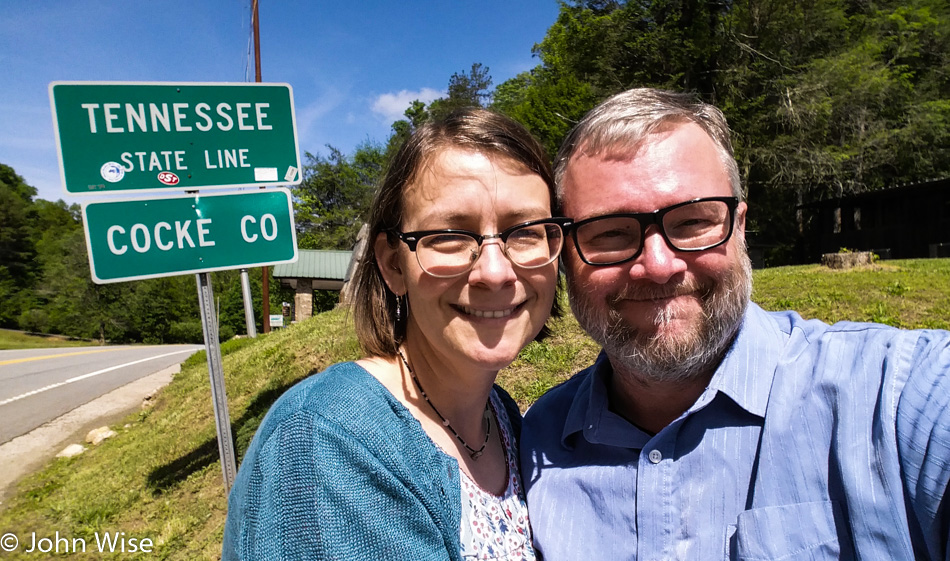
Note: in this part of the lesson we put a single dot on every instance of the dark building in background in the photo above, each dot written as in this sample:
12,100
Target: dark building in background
905,222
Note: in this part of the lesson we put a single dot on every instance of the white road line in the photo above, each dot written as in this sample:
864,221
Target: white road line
90,375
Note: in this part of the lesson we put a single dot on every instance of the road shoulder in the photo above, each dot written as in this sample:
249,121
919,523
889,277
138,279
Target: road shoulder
29,452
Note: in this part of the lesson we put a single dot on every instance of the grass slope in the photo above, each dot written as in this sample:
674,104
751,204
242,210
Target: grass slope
911,293
10,339
160,478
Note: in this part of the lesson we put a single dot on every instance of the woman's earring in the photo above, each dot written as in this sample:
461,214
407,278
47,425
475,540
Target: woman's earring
402,317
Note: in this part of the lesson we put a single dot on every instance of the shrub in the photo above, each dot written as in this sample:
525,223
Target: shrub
186,332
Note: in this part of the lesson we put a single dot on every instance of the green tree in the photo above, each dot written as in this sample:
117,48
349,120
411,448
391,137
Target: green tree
331,201
52,226
402,129
470,89
614,45
17,248
74,305
547,104
150,308
838,98
871,114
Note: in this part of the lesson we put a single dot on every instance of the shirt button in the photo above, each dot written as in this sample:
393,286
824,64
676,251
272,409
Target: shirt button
655,456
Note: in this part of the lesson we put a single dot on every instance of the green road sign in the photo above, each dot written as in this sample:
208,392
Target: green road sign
148,238
128,136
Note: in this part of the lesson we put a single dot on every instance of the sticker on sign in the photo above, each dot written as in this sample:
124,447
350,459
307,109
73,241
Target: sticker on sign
168,178
147,136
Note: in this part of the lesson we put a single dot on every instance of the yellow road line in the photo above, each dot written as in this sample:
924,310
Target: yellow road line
28,359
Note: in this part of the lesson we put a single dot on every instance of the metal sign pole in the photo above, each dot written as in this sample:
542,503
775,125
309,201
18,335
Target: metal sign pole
248,305
213,349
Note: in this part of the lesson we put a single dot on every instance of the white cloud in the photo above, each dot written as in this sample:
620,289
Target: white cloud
392,106
326,103
316,118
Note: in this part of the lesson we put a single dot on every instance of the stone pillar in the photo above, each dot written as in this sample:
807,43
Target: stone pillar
303,300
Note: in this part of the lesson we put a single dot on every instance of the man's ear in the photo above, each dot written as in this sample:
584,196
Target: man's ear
390,265
739,227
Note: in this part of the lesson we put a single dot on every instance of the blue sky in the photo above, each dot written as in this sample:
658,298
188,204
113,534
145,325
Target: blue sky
354,65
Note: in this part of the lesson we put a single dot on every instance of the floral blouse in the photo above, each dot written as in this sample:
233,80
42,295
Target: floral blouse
496,527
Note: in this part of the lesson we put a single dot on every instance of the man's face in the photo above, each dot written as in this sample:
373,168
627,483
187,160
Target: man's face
667,315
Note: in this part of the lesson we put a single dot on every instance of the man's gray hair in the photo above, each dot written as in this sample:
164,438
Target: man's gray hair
618,126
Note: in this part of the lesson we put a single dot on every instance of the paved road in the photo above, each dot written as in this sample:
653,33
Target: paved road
39,385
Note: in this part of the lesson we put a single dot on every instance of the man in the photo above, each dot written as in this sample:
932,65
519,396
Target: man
709,428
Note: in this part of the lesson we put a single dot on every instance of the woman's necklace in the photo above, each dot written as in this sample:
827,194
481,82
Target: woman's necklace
475,454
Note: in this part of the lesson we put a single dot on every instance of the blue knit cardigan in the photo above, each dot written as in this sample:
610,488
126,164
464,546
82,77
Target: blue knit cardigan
339,469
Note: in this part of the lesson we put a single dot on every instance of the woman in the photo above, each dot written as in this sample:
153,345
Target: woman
410,453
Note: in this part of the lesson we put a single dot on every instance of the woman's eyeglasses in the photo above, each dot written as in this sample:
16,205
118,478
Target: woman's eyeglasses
450,253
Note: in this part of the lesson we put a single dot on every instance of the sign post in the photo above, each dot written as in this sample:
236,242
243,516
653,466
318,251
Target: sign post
216,372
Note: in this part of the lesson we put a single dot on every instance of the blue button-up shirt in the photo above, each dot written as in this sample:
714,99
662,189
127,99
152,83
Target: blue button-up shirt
811,442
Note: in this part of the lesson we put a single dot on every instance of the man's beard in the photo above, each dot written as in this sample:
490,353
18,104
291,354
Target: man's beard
658,357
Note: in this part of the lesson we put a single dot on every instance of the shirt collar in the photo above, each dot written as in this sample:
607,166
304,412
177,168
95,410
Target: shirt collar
745,376
585,398
589,412
747,370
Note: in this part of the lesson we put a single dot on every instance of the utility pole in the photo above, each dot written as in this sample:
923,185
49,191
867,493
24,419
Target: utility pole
265,281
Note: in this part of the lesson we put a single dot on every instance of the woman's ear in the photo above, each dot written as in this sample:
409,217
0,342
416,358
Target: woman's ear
390,265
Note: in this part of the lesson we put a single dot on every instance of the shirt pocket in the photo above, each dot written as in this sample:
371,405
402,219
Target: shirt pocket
796,532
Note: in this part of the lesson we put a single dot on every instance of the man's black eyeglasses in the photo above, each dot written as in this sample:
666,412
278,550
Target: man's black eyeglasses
695,225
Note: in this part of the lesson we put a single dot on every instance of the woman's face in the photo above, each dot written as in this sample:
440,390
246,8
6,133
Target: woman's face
484,317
